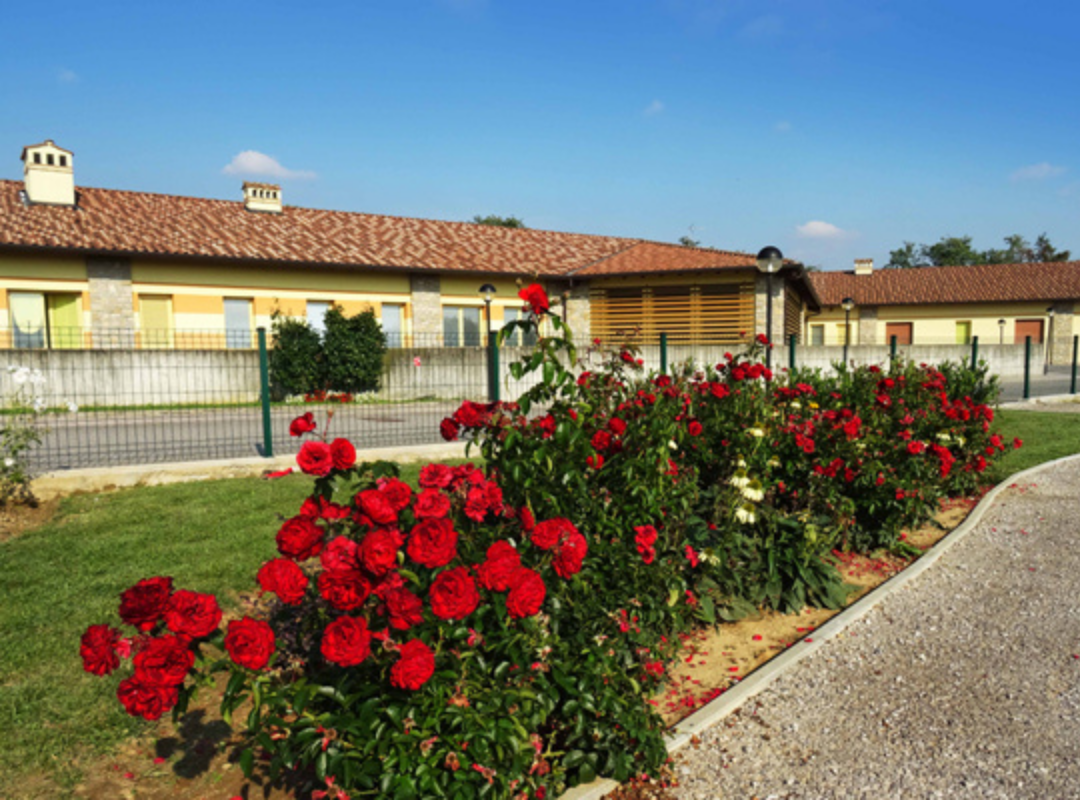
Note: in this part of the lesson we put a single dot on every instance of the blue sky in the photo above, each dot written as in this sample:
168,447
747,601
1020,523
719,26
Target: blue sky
833,129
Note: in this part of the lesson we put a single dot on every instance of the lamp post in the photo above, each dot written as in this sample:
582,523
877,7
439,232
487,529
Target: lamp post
847,304
769,261
1001,331
1049,341
487,291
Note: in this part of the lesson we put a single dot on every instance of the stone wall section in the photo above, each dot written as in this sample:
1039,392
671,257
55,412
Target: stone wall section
573,307
1063,330
868,325
426,308
761,306
112,303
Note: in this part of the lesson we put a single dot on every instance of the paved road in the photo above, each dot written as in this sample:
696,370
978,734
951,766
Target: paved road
1055,381
965,684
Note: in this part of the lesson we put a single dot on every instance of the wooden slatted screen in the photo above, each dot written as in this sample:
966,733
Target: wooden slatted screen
712,313
792,316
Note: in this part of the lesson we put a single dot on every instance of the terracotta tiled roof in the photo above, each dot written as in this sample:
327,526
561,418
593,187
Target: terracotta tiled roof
985,283
132,223
653,257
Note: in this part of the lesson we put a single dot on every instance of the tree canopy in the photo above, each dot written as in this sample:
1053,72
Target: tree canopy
499,222
953,251
686,241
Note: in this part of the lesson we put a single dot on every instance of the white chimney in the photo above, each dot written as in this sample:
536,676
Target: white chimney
262,197
864,266
48,174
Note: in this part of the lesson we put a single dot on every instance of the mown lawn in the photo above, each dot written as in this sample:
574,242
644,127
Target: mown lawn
58,579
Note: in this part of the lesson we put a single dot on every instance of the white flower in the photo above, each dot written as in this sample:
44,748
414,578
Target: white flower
20,374
754,491
746,514
739,479
73,407
672,445
740,463
36,378
38,404
795,404
757,433
9,462
774,462
944,437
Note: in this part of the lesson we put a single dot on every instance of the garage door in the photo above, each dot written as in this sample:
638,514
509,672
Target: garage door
1029,327
901,330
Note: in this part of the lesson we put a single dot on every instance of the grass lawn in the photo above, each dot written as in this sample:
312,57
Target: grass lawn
58,579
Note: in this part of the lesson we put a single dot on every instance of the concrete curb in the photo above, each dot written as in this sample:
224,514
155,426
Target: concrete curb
760,679
100,479
1050,399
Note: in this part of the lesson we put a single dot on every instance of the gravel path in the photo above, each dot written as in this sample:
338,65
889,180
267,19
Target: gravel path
964,684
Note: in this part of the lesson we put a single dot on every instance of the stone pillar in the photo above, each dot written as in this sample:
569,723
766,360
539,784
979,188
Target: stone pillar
1062,335
426,306
867,325
112,303
761,307
571,302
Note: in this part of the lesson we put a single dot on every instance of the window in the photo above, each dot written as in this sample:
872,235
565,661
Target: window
843,333
237,323
41,320
461,326
49,159
63,161
817,335
963,332
316,315
517,338
155,320
391,324
37,158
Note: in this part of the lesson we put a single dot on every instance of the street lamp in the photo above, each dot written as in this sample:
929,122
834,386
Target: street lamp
847,304
1050,340
487,291
1001,331
769,260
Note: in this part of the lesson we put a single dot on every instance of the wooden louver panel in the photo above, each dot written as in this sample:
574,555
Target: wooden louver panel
685,313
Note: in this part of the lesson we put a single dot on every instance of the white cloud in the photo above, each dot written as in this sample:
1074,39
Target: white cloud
816,229
252,163
67,76
654,108
783,126
1038,172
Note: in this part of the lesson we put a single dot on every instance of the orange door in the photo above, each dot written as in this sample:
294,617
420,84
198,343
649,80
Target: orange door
901,330
1029,327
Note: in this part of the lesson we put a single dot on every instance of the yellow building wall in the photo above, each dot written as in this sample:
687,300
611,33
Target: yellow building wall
42,273
936,324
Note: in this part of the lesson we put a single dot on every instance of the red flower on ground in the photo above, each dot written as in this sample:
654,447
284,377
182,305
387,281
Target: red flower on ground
527,592
299,539
98,649
433,543
496,573
346,641
302,424
148,702
284,578
144,603
414,667
250,642
192,614
453,594
536,298
342,453
315,458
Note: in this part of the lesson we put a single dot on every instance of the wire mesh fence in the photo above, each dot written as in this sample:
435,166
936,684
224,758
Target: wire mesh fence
196,395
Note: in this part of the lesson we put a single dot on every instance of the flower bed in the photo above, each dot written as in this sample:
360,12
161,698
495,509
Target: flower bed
500,633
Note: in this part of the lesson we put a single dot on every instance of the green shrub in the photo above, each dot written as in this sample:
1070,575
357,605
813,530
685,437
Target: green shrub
353,350
295,357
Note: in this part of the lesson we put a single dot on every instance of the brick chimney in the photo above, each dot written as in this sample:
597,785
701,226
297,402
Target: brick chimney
262,197
48,174
864,266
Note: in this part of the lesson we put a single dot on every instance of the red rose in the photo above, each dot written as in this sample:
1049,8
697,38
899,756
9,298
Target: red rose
617,426
471,415
536,298
344,589
283,578
476,504
387,583
144,603
300,539
526,594
378,552
595,461
301,425
250,642
163,662
376,506
433,543
494,497
148,702
404,608
453,594
645,538
601,440
341,553
436,476
346,642
528,521
192,614
431,504
694,428
448,429
98,649
414,667
315,458
502,562
570,555
915,448
551,532
342,454
397,493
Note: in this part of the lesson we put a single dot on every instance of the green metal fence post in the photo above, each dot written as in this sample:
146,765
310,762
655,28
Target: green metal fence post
892,347
1072,383
663,354
1027,367
974,352
264,396
792,341
493,366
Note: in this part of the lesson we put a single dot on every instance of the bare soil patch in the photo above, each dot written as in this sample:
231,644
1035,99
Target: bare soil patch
17,518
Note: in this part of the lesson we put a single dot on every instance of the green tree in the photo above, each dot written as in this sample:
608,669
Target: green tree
910,255
353,350
952,251
295,356
499,222
686,241
958,251
1044,251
